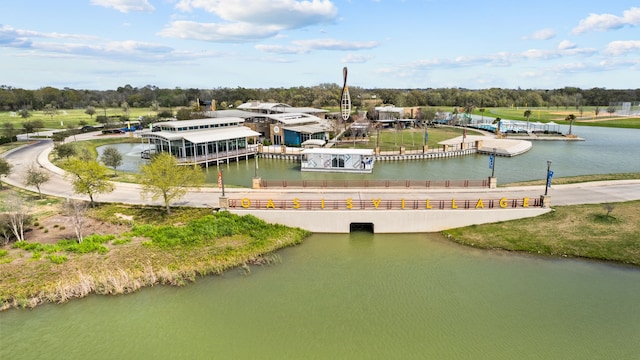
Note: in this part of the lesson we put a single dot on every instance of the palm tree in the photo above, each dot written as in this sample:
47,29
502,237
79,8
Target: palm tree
570,119
527,114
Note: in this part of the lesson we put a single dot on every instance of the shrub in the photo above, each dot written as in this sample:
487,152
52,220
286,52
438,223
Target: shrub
57,259
121,241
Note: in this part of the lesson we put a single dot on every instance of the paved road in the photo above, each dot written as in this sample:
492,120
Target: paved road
585,193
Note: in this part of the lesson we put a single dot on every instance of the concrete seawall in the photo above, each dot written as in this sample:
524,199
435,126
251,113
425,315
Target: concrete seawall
388,221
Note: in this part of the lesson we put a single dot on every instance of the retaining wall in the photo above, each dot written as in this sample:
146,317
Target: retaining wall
388,221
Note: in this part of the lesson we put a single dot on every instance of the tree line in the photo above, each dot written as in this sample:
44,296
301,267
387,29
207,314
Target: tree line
319,96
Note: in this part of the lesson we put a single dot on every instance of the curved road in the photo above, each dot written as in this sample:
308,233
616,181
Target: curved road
584,193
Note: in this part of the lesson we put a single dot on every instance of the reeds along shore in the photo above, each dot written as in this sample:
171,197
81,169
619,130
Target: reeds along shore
158,255
120,281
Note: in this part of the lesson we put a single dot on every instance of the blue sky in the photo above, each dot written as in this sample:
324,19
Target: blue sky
103,44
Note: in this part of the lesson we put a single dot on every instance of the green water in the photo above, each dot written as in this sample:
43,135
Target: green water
355,296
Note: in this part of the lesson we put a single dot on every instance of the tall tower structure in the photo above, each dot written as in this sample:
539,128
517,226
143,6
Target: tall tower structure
345,99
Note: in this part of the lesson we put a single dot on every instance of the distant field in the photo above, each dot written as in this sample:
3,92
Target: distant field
588,117
74,116
65,117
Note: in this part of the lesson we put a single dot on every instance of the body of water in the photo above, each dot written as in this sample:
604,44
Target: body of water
606,150
355,296
372,296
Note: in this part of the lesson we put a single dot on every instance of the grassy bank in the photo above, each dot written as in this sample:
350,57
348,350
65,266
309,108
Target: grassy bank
153,248
578,179
604,232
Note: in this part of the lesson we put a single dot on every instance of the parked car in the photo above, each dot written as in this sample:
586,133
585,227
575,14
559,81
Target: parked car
113,131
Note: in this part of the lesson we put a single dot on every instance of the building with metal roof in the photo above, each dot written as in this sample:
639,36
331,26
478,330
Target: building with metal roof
282,124
279,108
202,141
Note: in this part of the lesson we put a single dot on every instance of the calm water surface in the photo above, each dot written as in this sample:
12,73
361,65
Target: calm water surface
604,151
366,296
357,296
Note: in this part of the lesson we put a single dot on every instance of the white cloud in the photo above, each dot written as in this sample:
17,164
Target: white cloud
265,18
543,34
279,49
616,48
356,58
125,6
236,32
539,54
7,32
603,22
332,44
306,46
566,44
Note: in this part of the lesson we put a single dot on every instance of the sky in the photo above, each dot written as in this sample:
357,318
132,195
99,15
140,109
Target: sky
208,44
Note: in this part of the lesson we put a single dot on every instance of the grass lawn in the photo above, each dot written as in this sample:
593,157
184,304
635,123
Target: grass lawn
544,115
66,117
391,139
586,231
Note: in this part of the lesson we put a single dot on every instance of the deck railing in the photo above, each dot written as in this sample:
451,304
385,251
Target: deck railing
354,183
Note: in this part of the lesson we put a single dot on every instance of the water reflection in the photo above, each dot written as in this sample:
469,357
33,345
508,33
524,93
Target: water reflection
409,296
606,150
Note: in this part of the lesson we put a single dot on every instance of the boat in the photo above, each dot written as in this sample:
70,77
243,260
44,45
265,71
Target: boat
338,160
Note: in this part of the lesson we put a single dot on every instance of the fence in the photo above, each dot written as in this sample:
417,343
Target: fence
354,183
403,204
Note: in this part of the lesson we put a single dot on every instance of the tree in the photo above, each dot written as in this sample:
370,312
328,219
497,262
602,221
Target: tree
28,127
165,114
37,125
609,208
87,177
611,110
183,114
8,131
104,105
64,150
570,118
36,177
112,158
77,210
24,113
155,106
164,179
18,216
527,114
5,169
125,108
90,110
50,110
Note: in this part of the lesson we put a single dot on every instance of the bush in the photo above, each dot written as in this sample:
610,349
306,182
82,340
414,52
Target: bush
207,229
57,259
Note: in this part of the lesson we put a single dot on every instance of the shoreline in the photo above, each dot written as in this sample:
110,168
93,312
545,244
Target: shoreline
133,261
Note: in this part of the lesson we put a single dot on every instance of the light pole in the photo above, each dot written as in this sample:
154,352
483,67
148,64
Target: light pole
221,181
546,188
255,168
493,163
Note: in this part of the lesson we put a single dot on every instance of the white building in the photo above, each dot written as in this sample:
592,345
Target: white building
202,141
